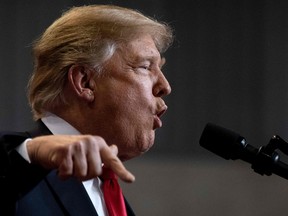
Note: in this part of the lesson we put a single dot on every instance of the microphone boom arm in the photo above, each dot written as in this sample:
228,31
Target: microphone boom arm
267,160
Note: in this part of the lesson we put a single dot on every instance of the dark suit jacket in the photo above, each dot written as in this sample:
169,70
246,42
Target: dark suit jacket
30,190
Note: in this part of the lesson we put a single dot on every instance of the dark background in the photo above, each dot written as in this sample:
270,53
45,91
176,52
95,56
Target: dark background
228,65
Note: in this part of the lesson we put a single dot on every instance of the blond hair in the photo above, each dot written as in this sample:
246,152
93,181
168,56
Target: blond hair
87,35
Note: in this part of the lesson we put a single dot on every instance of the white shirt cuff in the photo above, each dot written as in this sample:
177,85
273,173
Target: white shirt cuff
22,150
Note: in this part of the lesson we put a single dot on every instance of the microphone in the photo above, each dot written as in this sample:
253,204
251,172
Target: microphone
230,145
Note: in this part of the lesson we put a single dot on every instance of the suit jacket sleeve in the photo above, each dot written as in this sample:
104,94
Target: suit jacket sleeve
17,176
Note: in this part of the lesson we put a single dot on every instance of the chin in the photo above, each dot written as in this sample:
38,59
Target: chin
146,147
140,151
138,148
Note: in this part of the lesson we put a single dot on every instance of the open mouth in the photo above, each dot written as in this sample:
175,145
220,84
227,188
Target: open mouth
157,116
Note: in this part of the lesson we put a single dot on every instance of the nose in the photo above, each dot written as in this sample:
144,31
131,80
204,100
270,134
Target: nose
162,86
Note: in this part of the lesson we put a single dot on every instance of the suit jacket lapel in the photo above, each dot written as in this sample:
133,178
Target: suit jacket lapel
129,210
71,195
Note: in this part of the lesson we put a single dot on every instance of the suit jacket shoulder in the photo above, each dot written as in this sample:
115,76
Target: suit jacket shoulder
14,168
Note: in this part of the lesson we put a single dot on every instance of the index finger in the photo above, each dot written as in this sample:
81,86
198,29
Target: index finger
110,160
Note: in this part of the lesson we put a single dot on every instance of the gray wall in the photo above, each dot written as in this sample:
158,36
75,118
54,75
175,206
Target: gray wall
228,66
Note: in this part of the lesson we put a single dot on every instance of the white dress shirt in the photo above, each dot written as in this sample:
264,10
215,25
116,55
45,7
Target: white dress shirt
93,187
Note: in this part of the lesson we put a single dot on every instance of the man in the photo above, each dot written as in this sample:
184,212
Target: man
97,97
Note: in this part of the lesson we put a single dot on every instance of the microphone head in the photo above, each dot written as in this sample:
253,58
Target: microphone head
221,141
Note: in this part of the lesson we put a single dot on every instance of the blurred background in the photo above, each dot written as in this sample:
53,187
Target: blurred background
228,65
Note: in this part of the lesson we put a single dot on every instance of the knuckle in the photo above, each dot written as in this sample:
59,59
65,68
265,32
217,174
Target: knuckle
78,146
95,141
99,140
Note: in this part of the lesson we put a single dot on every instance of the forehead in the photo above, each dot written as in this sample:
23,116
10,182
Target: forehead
141,47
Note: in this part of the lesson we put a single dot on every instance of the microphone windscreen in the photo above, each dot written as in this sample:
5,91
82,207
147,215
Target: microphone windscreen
221,141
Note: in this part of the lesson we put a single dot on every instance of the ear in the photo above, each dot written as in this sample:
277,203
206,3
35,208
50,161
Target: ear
81,79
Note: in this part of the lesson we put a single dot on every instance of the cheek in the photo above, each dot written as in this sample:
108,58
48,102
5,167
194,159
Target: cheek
130,102
134,112
136,98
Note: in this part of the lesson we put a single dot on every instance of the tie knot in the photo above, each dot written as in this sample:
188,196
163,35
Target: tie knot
107,174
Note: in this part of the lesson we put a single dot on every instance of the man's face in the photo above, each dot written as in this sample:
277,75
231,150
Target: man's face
128,98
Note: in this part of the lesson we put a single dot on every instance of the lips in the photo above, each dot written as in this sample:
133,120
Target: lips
157,115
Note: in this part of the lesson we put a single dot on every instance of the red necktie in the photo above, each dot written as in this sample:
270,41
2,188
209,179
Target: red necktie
113,195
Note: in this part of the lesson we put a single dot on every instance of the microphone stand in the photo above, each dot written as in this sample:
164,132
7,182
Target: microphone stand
230,145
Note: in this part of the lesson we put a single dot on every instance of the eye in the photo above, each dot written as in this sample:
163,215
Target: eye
145,67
